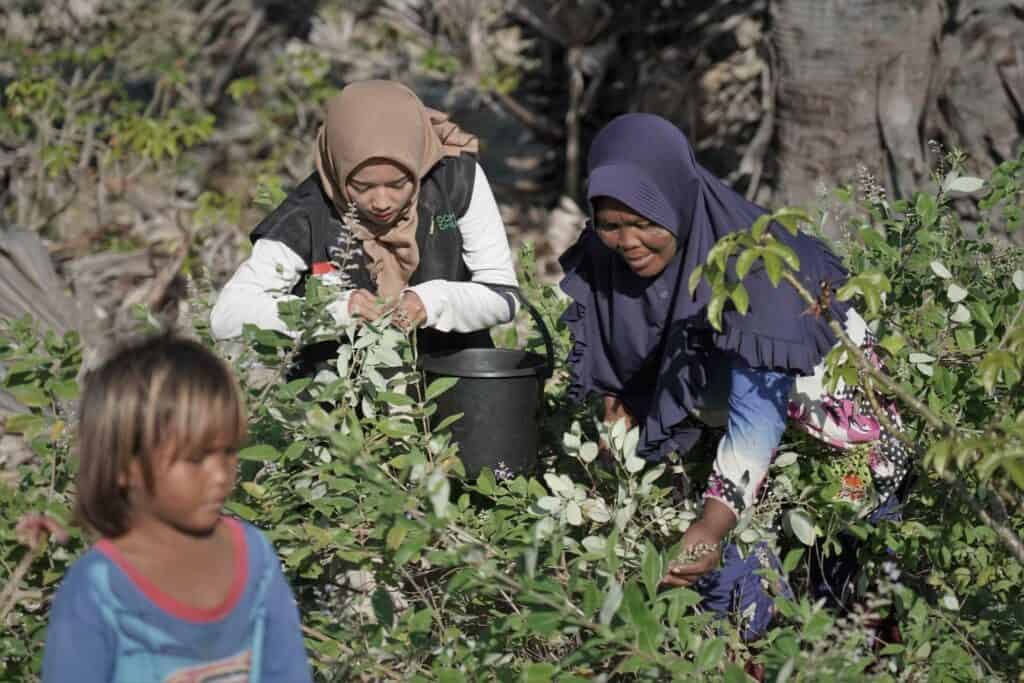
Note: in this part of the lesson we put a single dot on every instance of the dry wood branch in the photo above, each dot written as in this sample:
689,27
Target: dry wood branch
10,594
217,88
538,123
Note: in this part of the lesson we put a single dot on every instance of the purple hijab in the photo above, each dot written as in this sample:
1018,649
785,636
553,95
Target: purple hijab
647,340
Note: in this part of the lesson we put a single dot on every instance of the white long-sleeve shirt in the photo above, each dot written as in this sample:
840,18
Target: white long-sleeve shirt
273,269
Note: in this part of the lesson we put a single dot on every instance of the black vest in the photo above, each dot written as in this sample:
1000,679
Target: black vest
308,223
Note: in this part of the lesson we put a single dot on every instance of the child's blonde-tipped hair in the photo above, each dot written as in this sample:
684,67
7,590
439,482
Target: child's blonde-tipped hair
162,392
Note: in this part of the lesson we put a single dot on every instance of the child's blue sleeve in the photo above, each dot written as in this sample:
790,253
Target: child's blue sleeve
284,652
79,646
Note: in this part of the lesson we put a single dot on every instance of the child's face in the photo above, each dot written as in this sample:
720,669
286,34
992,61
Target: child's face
189,492
380,190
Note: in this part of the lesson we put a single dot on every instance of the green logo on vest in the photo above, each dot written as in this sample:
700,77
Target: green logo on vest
444,221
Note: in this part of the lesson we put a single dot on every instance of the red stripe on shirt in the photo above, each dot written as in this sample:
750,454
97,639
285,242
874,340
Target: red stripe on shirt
175,607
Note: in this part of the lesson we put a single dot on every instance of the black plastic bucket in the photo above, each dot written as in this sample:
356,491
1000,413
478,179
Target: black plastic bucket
500,394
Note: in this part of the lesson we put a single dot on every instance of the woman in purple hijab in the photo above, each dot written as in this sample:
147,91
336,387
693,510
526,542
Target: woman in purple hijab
644,345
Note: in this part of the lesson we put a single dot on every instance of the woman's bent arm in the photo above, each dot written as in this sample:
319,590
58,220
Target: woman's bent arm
470,306
253,292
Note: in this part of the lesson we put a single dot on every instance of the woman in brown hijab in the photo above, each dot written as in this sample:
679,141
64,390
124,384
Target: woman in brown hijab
423,236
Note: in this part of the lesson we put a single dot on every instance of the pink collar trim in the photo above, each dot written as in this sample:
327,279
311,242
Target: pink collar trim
175,607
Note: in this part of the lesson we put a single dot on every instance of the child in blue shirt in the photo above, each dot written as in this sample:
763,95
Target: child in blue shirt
173,591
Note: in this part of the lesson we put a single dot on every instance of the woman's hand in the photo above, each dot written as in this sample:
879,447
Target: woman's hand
705,534
410,312
364,304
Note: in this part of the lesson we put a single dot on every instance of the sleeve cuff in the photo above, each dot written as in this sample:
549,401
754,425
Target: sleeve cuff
433,303
339,309
727,493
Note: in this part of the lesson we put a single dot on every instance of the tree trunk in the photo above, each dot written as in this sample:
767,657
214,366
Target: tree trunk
853,88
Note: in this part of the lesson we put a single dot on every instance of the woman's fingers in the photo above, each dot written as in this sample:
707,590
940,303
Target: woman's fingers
697,559
363,304
677,581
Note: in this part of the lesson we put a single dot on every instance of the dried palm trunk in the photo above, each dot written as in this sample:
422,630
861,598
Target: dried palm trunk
106,287
854,83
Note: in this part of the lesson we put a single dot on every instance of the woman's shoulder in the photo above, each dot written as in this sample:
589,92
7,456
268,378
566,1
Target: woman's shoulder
291,221
454,177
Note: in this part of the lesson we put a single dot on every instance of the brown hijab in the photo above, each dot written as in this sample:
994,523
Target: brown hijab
385,120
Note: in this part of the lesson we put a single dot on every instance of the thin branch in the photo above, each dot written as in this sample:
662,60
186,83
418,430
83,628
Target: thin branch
541,125
10,593
216,92
887,382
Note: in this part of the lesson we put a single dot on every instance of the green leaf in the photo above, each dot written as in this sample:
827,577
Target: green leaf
799,525
981,313
383,607
439,386
648,629
940,269
539,673
271,338
414,542
734,674
792,560
964,184
612,600
961,314
944,382
893,343
745,261
653,569
543,622
720,253
29,395
395,428
993,365
242,510
26,424
450,676
773,265
760,225
740,298
926,209
260,452
715,309
787,255
791,219
955,293
710,654
870,285
254,489
695,279
447,422
66,390
395,536
395,399
486,482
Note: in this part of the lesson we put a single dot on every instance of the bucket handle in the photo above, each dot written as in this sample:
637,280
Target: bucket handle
538,320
